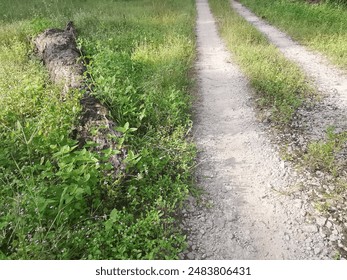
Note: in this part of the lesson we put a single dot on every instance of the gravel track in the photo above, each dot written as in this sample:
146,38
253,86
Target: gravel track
330,81
311,123
250,208
327,77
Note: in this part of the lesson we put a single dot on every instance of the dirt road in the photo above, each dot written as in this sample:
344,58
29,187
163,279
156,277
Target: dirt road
249,212
330,81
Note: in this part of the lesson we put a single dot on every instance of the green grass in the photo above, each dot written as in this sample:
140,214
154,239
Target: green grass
280,85
55,201
323,154
321,27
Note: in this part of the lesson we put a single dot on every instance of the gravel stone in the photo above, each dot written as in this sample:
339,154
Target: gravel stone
310,228
321,221
191,256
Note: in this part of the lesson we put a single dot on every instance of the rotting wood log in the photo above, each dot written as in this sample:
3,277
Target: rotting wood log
58,50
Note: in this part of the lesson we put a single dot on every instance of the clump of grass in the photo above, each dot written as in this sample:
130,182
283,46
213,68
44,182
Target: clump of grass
322,154
55,202
279,83
322,26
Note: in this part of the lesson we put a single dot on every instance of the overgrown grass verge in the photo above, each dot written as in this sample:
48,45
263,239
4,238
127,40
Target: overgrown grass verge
55,202
322,27
279,83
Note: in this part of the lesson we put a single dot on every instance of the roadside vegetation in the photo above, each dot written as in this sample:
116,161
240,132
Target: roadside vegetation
322,27
55,201
280,84
324,155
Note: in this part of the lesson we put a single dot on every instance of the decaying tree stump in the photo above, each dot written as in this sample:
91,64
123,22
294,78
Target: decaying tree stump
58,50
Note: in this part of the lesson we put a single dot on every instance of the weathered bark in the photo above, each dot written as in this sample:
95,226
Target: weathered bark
58,50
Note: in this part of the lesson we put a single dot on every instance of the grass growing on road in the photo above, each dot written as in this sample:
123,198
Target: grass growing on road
322,27
324,154
55,202
280,84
